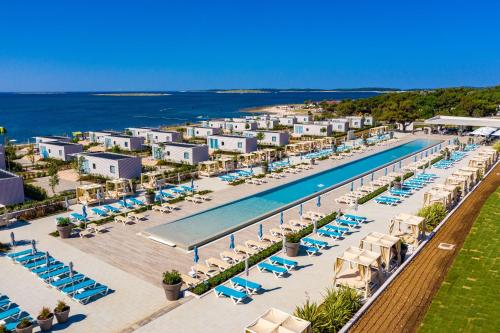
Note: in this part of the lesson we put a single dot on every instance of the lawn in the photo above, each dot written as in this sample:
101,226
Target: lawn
468,300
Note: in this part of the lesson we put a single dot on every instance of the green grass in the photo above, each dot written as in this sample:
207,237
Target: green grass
468,300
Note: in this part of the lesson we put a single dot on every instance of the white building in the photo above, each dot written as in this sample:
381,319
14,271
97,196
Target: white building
368,120
303,118
124,142
287,121
155,135
312,129
49,138
216,123
267,123
355,121
201,132
239,127
339,124
98,136
271,138
59,150
177,152
231,143
111,165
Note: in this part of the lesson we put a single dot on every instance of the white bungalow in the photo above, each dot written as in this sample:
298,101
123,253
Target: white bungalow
240,127
303,118
287,121
177,152
59,150
231,143
98,136
339,124
312,129
217,123
201,132
124,142
368,120
2,157
271,138
267,123
155,135
11,188
355,121
111,165
49,138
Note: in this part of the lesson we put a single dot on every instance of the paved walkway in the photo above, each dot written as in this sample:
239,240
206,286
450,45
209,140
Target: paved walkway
402,306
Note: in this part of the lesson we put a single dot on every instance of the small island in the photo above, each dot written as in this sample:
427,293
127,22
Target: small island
243,91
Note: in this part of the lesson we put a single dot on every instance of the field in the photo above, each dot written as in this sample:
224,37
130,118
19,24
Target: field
468,298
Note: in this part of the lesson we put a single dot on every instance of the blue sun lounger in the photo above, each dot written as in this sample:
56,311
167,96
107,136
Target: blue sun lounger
12,313
342,230
62,283
99,212
137,201
70,290
85,296
250,287
29,258
4,303
166,194
112,209
386,201
178,190
235,295
350,224
278,271
288,264
48,276
310,250
400,193
35,264
78,217
47,269
328,233
319,244
355,218
19,254
124,204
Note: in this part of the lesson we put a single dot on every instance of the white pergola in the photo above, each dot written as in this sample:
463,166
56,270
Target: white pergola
464,121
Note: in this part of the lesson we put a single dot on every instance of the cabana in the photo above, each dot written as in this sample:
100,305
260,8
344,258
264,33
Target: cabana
476,171
292,149
88,194
363,266
389,247
470,175
438,196
459,181
226,164
208,168
274,320
490,155
151,180
247,159
448,188
379,130
414,227
490,151
265,155
117,188
479,162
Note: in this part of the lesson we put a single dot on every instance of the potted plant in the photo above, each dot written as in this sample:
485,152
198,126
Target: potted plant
292,244
64,227
62,312
45,319
150,196
24,326
172,283
3,329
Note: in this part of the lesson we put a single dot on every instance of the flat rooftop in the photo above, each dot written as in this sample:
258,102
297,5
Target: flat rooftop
464,121
54,137
109,156
230,136
181,144
60,143
5,175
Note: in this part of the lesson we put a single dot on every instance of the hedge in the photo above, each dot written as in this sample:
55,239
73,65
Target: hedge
222,277
381,190
434,160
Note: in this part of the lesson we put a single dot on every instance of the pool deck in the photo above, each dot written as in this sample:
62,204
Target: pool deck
128,262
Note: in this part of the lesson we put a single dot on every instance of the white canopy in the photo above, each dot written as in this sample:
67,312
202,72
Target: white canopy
497,133
484,131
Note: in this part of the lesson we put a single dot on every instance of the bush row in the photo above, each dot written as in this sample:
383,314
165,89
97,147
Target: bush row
205,286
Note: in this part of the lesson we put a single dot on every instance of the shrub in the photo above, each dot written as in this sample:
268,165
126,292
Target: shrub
24,323
372,195
172,277
311,312
293,237
496,146
45,314
63,222
34,192
433,215
61,307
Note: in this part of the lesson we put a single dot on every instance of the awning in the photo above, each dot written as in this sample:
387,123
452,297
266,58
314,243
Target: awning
497,133
484,131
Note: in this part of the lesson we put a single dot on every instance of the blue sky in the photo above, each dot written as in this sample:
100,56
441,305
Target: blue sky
180,45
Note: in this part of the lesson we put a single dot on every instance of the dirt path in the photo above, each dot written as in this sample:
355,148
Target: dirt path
402,306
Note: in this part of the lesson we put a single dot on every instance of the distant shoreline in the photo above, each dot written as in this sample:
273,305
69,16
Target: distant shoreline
132,94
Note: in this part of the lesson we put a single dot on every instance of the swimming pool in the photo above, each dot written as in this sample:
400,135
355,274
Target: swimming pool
205,226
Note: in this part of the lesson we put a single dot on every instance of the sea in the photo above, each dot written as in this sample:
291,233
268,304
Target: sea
26,115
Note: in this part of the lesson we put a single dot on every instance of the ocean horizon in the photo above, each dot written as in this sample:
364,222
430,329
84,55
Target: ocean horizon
26,115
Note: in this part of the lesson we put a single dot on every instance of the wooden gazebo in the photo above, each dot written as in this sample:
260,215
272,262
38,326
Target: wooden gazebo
117,188
89,194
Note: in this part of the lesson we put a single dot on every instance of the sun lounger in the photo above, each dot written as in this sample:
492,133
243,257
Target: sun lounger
12,313
231,257
5,303
19,254
123,219
136,216
310,215
84,233
400,193
355,218
205,270
328,233
160,209
72,289
124,204
99,212
270,238
111,209
345,200
278,232
136,201
386,201
29,258
235,295
78,217
202,197
289,228
256,245
194,199
250,287
190,281
310,250
62,283
288,264
278,271
85,296
47,269
35,264
299,223
314,242
96,228
58,272
220,264
350,224
336,228
395,199
245,250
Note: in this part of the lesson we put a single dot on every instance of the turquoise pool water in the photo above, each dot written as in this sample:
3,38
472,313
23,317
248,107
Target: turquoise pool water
200,228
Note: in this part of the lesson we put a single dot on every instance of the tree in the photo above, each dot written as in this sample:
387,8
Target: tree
259,136
53,177
31,154
77,165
